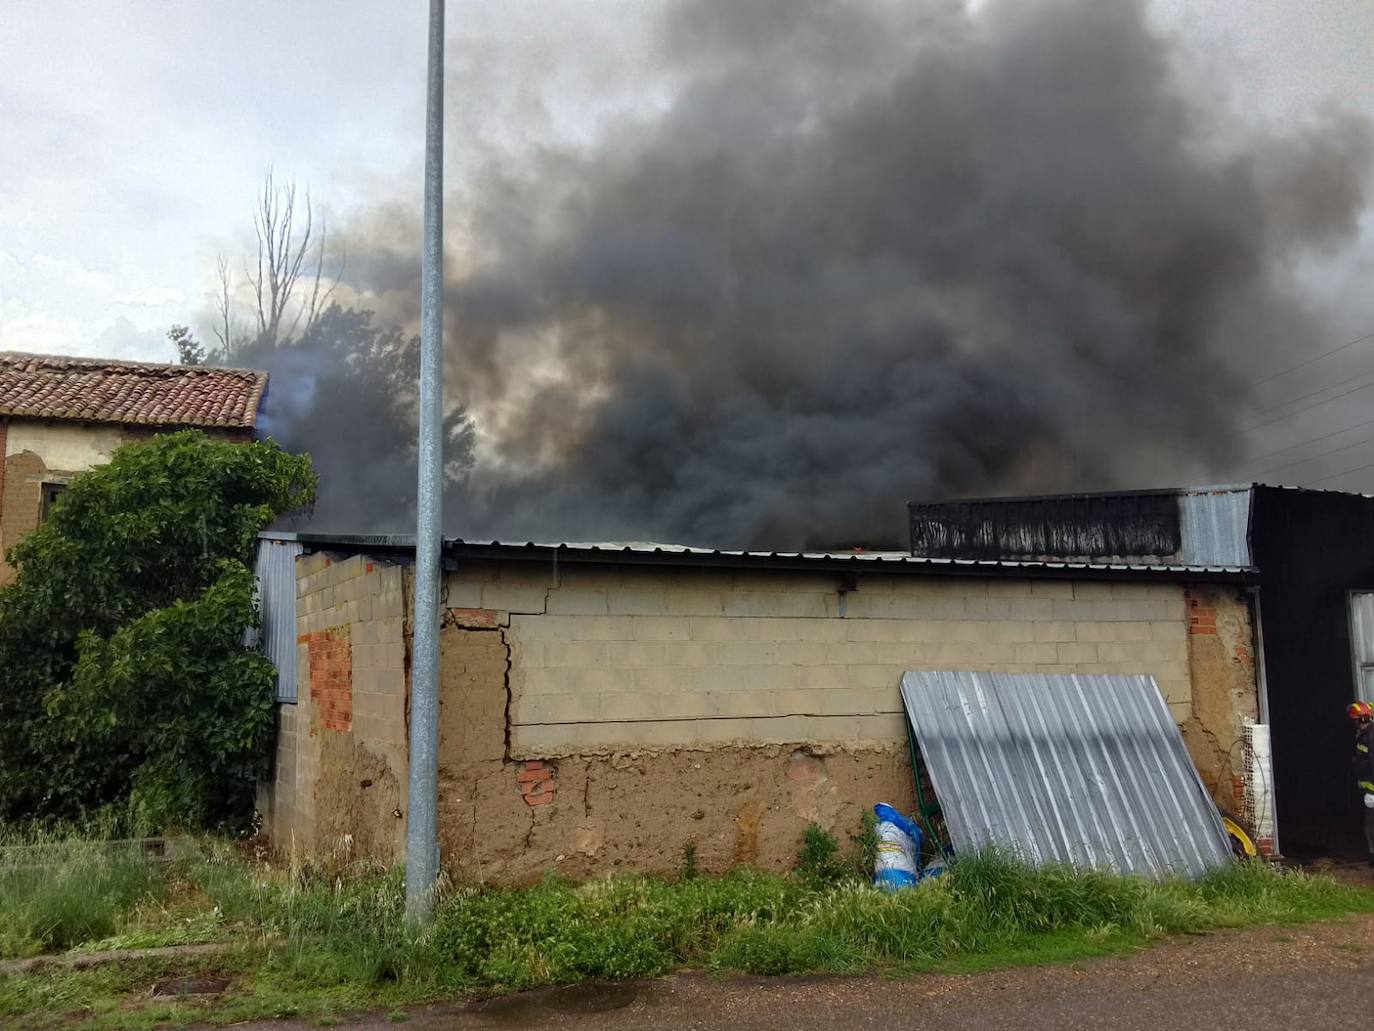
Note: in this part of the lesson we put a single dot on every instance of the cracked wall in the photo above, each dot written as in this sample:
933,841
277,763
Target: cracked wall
338,782
600,717
1221,663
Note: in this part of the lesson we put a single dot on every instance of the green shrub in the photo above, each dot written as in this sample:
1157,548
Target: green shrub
126,683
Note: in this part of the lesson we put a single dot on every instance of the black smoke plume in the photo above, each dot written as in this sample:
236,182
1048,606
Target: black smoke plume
868,253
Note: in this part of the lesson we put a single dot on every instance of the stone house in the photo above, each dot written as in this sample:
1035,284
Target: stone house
60,416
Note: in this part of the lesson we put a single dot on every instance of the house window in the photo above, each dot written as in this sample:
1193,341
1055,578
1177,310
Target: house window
51,492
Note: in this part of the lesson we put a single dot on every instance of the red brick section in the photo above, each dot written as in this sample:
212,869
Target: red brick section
331,676
537,781
1202,616
472,619
142,393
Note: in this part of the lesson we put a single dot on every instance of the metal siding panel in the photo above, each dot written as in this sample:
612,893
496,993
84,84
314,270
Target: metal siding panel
1362,625
1216,527
1085,770
275,568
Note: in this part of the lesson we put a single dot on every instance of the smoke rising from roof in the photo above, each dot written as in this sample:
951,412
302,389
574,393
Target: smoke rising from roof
871,252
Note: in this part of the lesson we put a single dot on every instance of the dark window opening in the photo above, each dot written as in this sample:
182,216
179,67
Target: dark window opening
51,492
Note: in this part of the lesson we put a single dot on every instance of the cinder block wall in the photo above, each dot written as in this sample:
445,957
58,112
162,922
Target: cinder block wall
635,657
339,780
603,717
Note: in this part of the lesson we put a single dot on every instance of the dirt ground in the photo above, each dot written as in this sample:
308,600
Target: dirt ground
1317,977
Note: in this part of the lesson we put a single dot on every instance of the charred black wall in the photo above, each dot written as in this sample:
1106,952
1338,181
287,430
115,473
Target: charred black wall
1140,526
1311,548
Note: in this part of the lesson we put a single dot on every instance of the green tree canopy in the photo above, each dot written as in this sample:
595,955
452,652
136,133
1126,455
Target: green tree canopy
123,676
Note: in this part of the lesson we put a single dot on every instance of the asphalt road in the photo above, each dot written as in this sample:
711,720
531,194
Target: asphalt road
1316,977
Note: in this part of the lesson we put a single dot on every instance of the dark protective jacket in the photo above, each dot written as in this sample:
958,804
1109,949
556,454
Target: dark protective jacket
1364,757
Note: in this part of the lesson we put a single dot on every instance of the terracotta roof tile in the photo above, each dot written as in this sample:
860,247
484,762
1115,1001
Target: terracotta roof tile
97,390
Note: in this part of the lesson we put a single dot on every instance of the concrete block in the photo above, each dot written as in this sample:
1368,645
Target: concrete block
530,574
850,605
851,653
1168,630
602,628
988,608
695,603
819,630
1133,631
1009,633
719,678
1115,651
664,679
537,681
463,594
827,583
753,581
688,653
745,653
755,604
1053,631
874,629
710,628
692,704
564,708
637,603
1007,588
635,653
660,628
771,678
1030,609
574,601
1093,590
1071,610
1176,692
916,631
720,731
527,654
884,727
515,597
575,653
907,655
877,676
545,628
802,653
1052,589
1037,652
1078,653
823,677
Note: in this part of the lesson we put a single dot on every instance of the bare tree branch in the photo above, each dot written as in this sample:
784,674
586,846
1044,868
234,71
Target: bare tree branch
225,331
291,244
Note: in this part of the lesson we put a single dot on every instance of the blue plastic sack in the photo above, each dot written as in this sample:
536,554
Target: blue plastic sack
897,864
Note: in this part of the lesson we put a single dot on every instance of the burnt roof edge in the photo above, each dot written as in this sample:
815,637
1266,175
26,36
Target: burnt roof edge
899,564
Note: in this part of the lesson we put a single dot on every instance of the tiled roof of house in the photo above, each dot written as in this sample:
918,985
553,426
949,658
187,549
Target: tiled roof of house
98,390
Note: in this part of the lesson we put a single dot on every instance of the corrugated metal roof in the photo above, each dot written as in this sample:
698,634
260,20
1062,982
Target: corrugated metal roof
610,550
275,568
1089,771
1215,524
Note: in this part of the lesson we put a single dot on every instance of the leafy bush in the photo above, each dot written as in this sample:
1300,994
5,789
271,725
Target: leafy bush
125,679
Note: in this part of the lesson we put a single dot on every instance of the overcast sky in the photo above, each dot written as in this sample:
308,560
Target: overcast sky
136,131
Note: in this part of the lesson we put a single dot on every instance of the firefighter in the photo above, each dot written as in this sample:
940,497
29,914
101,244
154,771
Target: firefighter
1363,715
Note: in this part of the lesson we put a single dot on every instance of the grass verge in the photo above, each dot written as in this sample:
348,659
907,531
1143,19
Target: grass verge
318,944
